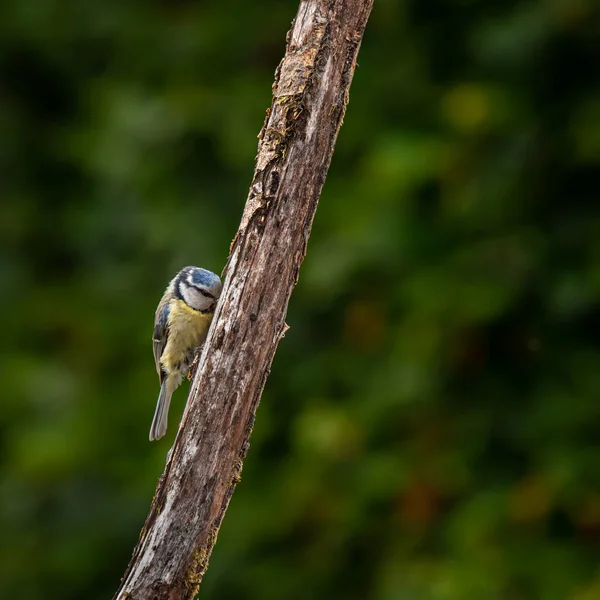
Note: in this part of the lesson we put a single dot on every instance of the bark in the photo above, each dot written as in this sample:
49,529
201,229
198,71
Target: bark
310,94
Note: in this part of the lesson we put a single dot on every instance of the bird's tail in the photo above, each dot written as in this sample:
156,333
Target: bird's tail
159,422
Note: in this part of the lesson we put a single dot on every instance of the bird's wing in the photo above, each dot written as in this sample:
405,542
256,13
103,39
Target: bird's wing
160,335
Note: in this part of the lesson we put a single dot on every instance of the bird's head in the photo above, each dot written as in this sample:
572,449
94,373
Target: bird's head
198,288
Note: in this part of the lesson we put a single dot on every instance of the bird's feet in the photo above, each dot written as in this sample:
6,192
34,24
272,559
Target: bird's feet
194,366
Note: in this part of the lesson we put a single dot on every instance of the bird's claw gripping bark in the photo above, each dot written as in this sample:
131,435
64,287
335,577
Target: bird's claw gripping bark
194,366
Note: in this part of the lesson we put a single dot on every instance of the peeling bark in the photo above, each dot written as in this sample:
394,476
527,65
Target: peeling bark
310,94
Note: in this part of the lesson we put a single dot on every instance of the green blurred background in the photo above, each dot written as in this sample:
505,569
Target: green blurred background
430,428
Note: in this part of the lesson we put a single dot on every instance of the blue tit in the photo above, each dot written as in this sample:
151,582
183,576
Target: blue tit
181,324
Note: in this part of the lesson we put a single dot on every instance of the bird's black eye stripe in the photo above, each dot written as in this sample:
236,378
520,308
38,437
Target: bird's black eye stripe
203,292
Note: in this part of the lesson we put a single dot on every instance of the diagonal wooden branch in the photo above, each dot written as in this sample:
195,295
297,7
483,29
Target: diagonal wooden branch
310,94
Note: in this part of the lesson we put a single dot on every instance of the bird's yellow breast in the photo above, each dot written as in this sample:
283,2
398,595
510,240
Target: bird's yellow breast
187,331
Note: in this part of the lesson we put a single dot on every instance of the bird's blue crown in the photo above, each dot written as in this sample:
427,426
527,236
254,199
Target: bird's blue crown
200,277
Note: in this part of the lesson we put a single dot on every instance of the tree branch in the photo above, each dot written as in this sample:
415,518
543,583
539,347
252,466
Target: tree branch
310,94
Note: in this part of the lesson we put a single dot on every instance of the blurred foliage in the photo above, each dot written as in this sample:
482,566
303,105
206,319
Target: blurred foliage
430,428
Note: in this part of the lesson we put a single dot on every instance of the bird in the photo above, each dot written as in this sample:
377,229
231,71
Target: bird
181,325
